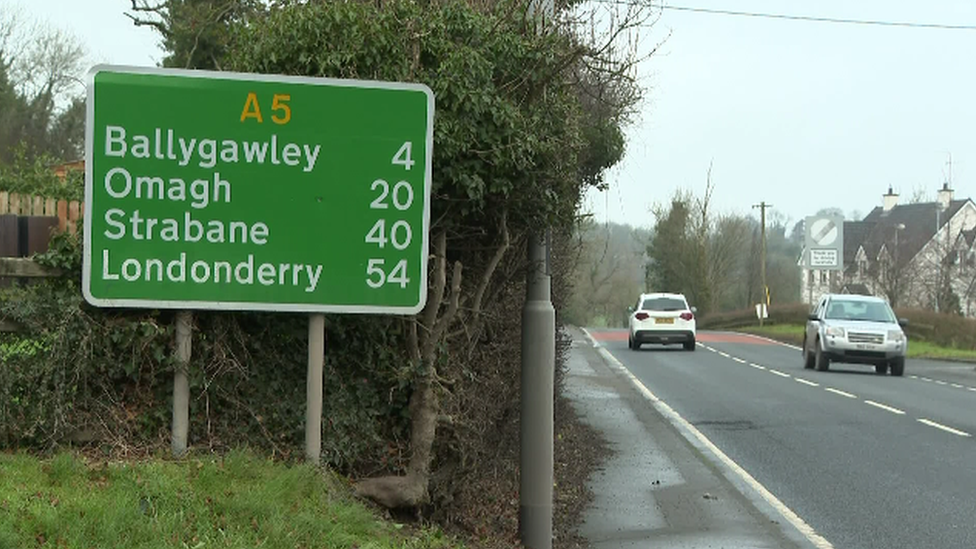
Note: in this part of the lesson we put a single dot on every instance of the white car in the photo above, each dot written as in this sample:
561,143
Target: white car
662,318
855,329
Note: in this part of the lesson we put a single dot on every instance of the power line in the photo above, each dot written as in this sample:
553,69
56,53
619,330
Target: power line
835,20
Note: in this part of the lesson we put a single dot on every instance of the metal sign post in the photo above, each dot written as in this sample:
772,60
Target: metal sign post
249,192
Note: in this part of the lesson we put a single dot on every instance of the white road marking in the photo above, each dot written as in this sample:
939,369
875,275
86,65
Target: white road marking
957,386
839,392
925,379
779,373
758,366
941,382
739,360
913,377
931,423
971,389
807,382
884,407
805,529
726,355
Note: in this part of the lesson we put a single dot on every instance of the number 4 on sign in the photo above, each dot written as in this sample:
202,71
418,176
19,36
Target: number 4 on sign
399,274
403,156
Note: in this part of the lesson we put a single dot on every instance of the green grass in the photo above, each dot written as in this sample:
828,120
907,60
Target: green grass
240,501
793,334
787,333
924,349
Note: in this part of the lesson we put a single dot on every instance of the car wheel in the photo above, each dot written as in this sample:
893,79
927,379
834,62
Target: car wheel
881,369
822,362
690,345
808,357
898,367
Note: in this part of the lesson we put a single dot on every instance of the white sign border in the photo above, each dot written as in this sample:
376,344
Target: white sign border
239,305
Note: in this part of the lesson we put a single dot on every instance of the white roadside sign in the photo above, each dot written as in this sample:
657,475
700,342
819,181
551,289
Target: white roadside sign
825,242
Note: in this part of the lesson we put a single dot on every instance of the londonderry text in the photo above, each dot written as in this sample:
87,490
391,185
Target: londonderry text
192,226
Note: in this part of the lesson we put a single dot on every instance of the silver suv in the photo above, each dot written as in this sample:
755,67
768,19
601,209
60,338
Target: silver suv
855,329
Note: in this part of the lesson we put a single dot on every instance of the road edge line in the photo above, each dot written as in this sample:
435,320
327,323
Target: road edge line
699,440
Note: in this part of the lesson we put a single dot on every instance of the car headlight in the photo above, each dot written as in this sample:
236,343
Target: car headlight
896,335
835,331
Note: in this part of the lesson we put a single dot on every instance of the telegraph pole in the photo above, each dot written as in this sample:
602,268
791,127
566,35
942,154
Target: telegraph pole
762,259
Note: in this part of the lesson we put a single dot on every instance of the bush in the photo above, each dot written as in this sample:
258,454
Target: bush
941,329
791,313
37,178
104,376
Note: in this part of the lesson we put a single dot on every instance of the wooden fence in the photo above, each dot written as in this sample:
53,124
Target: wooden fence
27,224
69,213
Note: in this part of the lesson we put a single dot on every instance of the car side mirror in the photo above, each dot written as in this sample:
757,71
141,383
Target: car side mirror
903,322
694,310
813,317
630,309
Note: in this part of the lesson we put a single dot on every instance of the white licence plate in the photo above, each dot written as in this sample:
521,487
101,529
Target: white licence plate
664,321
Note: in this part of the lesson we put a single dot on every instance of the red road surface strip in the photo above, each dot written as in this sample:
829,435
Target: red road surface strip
621,335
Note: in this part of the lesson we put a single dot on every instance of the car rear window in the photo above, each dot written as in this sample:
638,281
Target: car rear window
664,304
870,311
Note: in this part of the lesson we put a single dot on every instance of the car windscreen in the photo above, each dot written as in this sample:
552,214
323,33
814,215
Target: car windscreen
664,304
856,310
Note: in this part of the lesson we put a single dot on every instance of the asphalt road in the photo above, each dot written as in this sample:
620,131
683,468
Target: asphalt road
868,461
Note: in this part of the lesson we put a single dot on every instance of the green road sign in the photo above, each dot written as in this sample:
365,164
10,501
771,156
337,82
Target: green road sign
212,190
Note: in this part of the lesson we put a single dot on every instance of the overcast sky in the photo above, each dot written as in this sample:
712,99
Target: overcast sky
804,115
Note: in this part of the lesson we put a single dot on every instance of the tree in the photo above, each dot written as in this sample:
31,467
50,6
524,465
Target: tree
608,273
783,273
727,243
40,79
920,195
514,145
893,272
197,34
669,252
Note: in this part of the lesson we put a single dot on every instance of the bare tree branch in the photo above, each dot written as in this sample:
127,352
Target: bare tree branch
439,284
158,10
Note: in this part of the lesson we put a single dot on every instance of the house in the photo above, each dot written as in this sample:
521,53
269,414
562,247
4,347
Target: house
915,255
61,170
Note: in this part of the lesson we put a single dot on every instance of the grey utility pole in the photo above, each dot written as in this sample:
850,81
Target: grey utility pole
538,370
536,432
762,255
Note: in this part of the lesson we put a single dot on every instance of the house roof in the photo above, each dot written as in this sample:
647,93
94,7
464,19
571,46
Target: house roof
919,221
856,289
855,233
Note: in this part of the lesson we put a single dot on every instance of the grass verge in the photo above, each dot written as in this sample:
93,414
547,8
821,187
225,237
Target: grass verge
239,501
787,333
793,334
